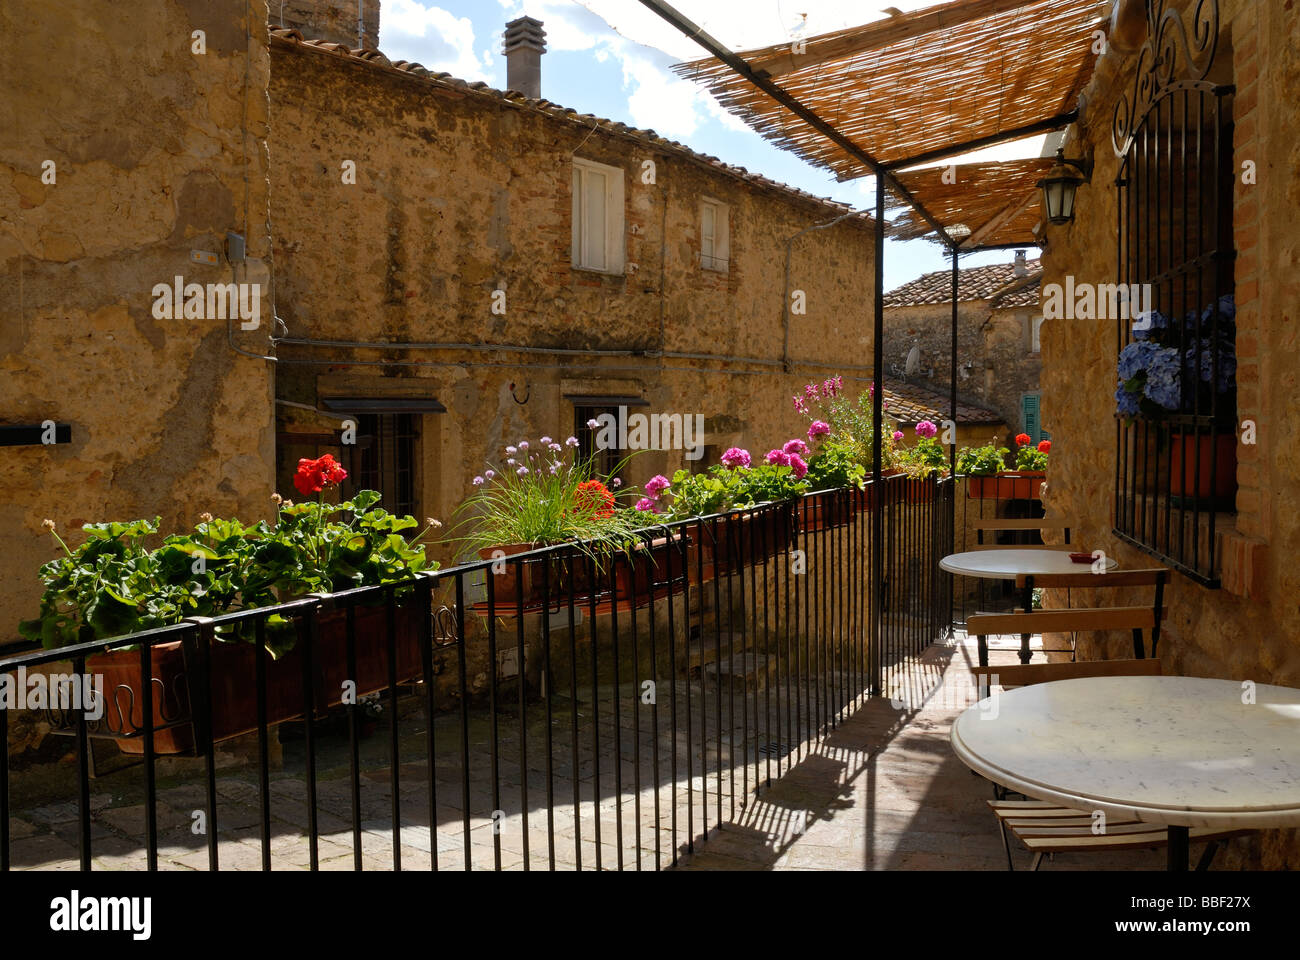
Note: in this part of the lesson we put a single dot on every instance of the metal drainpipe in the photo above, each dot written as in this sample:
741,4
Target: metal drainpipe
361,25
785,300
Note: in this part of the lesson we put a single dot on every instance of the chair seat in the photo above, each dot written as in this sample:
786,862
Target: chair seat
1048,828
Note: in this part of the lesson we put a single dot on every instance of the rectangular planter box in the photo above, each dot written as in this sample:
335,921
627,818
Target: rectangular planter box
233,680
1008,485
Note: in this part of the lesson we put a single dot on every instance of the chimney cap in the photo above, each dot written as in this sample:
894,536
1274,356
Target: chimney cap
525,32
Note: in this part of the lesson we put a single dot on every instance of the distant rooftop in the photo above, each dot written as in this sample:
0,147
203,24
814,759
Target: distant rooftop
995,281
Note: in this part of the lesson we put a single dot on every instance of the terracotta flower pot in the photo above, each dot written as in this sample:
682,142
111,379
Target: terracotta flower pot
232,680
826,511
1191,459
1007,485
752,537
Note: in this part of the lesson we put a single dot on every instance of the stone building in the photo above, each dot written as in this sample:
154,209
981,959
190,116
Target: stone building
503,267
998,325
1232,607
449,267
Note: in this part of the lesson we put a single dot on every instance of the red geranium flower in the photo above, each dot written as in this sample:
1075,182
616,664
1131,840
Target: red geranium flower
313,476
1022,439
1044,446
594,496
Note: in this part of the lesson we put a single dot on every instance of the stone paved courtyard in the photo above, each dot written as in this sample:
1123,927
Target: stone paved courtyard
882,791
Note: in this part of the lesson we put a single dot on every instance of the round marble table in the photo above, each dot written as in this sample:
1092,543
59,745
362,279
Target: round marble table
1010,564
1178,751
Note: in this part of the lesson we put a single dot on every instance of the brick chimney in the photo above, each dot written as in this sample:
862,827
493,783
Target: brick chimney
525,42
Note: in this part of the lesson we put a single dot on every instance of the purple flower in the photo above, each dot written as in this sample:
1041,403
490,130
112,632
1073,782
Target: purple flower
593,423
522,471
511,462
819,428
799,405
799,466
810,391
523,444
512,450
898,435
926,429
778,457
656,485
571,442
545,441
793,447
478,481
735,457
616,483
645,504
555,447
489,474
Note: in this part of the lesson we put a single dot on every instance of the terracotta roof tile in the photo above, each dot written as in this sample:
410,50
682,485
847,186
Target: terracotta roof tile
973,283
286,37
910,403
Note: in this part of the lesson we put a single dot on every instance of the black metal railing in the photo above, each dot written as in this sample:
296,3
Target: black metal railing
1009,495
548,709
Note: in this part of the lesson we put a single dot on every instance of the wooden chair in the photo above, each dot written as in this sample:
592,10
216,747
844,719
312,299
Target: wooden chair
1027,623
1046,828
995,525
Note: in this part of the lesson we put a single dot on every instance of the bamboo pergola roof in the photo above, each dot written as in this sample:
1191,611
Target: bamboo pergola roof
915,86
997,201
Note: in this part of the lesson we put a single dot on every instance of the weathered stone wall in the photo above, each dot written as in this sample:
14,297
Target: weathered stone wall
460,193
1248,630
332,20
995,342
157,151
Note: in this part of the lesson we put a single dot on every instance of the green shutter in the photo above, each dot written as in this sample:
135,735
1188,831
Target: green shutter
1029,416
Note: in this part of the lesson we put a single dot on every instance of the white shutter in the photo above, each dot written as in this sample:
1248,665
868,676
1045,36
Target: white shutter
598,241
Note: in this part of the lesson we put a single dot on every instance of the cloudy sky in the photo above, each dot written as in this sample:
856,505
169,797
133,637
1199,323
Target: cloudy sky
612,58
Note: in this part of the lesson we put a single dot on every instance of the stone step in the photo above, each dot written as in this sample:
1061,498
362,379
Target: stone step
707,648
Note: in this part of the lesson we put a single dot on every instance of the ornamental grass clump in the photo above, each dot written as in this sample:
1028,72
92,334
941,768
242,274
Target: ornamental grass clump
545,493
115,582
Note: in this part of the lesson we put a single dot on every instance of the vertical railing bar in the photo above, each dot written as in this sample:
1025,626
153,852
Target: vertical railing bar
83,774
617,713
595,706
394,762
263,750
521,685
520,579
150,758
463,691
424,610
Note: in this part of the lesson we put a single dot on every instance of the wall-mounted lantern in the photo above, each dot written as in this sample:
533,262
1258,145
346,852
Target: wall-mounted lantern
1060,187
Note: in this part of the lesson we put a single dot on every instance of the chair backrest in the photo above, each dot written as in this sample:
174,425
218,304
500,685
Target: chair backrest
1063,621
1025,674
995,524
1143,577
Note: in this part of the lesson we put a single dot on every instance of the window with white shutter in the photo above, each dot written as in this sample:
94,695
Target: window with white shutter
597,217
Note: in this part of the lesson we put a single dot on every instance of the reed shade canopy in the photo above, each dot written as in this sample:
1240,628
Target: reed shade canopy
918,86
998,201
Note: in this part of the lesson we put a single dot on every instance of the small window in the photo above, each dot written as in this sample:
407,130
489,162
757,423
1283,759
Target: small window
1035,338
597,217
607,458
384,459
715,243
1031,416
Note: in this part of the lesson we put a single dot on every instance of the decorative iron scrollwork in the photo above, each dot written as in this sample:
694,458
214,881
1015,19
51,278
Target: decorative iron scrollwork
1170,55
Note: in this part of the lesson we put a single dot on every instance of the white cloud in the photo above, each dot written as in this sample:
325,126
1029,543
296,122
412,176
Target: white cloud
432,36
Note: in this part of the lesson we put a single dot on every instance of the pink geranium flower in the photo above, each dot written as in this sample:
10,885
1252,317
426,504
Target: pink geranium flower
778,457
735,457
819,428
926,429
799,466
656,485
795,447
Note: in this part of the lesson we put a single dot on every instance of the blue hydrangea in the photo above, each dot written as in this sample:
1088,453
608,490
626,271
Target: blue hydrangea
1227,312
1148,325
1164,378
1135,358
1125,402
1227,362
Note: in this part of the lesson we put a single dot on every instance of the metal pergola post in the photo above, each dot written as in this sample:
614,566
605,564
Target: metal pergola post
877,411
952,381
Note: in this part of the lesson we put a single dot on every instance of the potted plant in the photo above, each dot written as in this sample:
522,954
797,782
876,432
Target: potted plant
833,467
115,584
1171,369
543,495
926,458
735,483
981,466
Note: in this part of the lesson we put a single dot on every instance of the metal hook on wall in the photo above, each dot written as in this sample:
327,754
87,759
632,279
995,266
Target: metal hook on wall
516,398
